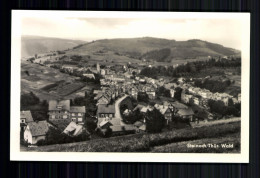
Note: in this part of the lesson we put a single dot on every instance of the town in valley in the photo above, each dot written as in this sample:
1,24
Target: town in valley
109,96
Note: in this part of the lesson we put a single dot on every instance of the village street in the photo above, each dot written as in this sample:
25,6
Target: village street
117,109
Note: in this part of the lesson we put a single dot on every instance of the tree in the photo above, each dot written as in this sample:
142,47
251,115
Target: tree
133,117
79,101
177,94
154,121
162,91
29,99
142,97
90,124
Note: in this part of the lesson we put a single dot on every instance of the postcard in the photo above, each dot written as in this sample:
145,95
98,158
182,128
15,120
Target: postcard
130,86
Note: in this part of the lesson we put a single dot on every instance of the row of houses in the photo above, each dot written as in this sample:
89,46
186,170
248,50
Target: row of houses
106,94
34,131
168,110
200,96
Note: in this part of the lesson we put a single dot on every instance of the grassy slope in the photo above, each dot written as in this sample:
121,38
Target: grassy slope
32,45
139,46
145,142
41,76
181,147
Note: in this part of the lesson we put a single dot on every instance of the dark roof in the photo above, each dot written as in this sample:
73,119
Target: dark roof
138,123
103,108
38,128
54,103
78,109
179,105
27,115
185,112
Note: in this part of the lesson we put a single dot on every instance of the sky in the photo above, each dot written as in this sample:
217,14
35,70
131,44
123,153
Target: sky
226,32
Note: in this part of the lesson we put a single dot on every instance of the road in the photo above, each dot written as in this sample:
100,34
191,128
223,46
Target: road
117,109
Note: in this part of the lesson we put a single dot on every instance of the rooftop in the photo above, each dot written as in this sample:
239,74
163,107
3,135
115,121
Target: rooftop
54,103
103,108
38,128
26,115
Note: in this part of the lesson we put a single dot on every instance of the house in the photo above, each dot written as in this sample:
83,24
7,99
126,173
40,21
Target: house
142,128
73,129
225,101
165,111
195,100
61,110
235,101
105,124
107,113
133,91
77,114
172,92
239,98
104,99
36,131
126,112
185,113
90,76
204,102
151,94
25,118
103,72
187,98
146,108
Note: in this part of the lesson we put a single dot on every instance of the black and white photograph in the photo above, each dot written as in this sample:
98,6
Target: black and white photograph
111,86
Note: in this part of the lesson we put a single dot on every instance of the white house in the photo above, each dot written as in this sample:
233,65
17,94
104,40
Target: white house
36,131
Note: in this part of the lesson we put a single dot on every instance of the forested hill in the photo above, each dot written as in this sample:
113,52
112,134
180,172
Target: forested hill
161,50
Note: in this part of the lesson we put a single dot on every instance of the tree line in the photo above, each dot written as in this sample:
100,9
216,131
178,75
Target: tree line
190,67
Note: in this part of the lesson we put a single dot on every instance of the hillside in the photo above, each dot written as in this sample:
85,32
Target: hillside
161,50
32,45
48,83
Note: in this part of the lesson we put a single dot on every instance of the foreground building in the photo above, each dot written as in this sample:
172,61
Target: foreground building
25,118
61,110
36,131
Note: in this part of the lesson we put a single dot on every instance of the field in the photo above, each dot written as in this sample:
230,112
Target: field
223,133
48,83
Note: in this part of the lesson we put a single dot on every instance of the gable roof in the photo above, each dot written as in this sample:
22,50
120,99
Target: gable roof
73,129
78,109
185,112
38,128
104,122
64,103
139,106
179,105
103,108
89,75
143,127
138,123
27,115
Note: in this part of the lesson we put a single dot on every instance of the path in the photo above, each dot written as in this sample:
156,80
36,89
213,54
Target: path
117,109
221,121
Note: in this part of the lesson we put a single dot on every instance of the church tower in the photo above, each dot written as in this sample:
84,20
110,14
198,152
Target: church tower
98,68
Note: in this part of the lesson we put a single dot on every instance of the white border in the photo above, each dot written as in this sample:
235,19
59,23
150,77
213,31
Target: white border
15,153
